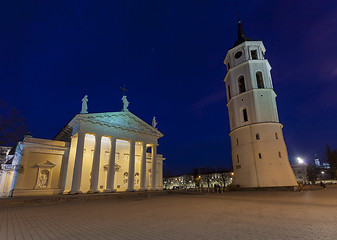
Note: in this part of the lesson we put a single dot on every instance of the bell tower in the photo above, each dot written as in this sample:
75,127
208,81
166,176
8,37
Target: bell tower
259,153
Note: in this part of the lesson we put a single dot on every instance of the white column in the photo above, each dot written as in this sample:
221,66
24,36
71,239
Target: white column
154,166
131,179
143,168
95,165
77,175
111,170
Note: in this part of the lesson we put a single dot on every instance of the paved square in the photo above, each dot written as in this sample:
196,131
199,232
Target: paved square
234,215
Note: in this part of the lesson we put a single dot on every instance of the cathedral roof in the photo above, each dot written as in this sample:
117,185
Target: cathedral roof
124,120
241,35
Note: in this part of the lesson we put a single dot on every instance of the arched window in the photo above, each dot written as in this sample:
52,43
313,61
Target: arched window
245,115
254,54
242,86
259,80
279,154
260,156
229,92
276,135
237,159
257,136
237,141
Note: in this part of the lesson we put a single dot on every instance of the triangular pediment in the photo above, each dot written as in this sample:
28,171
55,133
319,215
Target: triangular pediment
123,120
45,164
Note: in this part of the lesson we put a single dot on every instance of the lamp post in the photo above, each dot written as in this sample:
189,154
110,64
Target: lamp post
302,168
300,160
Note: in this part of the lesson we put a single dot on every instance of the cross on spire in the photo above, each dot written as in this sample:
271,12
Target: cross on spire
238,16
124,89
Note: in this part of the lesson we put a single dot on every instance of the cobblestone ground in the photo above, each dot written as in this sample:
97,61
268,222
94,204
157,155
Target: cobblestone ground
235,215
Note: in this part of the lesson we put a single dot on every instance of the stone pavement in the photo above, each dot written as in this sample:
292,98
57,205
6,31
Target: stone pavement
233,215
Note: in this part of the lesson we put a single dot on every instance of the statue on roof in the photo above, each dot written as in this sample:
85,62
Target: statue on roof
84,104
125,104
154,122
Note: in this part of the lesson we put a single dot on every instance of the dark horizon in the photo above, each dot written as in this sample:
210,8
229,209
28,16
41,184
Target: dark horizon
170,54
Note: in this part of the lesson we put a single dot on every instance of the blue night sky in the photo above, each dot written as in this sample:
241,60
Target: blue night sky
170,56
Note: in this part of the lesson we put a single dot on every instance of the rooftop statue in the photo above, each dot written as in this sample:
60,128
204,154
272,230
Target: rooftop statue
125,104
84,104
154,122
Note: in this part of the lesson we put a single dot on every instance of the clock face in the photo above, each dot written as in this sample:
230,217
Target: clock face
238,54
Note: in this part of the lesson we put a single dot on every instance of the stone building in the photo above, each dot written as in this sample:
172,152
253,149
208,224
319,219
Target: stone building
259,153
210,180
3,153
301,173
94,152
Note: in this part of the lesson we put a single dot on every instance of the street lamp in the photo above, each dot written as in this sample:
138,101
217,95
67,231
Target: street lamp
300,160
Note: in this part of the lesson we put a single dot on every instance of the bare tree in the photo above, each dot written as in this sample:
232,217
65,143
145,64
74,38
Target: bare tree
12,125
332,159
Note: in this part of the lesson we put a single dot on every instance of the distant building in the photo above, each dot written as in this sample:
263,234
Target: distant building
210,180
321,171
317,162
3,153
301,173
325,165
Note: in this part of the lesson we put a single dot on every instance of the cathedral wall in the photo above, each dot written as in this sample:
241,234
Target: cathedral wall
6,178
148,173
40,169
137,166
104,163
122,160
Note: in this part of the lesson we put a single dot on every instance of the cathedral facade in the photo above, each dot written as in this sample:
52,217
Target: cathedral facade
94,152
259,153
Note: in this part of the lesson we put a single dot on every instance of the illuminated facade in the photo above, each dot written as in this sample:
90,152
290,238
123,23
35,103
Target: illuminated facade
94,152
211,180
259,153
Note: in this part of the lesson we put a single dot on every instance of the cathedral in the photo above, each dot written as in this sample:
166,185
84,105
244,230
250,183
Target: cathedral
259,153
94,152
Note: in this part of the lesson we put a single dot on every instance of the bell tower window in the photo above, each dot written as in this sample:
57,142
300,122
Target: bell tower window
259,80
242,86
254,54
245,115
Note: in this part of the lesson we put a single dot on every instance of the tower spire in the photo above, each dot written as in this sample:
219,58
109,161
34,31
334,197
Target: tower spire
241,35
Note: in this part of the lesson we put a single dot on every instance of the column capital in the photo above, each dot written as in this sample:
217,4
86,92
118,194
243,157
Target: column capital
152,144
80,133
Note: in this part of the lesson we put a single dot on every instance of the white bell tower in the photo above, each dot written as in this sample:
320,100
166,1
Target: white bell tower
259,153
